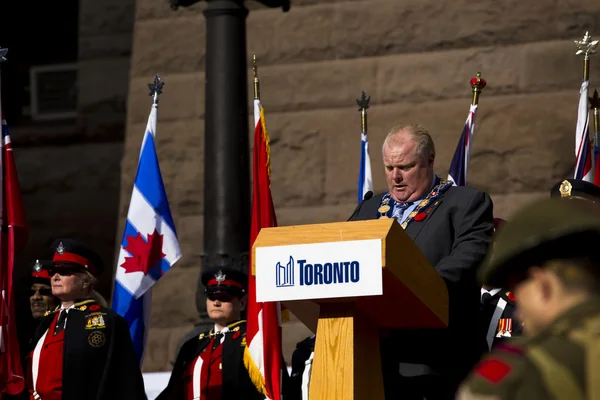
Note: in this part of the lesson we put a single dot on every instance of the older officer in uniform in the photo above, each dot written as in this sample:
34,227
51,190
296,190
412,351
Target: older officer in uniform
453,228
548,255
211,365
81,350
41,299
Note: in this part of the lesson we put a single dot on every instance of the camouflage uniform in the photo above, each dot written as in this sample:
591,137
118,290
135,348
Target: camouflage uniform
562,361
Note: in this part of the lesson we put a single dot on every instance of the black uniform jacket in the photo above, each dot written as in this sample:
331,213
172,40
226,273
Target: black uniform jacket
236,381
454,236
509,314
99,360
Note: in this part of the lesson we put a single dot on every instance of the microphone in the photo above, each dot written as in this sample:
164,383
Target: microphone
367,196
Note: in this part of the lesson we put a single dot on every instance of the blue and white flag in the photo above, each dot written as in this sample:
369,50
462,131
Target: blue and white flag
365,180
149,247
459,166
584,161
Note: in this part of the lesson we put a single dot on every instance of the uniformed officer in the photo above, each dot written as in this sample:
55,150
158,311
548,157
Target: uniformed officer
211,365
498,320
41,298
81,350
548,255
302,360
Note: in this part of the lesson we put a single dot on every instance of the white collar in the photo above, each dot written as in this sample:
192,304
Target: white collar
215,330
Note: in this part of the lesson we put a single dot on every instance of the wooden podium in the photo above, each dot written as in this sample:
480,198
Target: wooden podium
408,294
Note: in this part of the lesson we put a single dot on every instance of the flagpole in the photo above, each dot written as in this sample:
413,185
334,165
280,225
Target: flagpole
477,85
256,81
365,178
595,107
2,205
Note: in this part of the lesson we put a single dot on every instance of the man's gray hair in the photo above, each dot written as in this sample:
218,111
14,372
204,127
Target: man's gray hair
420,135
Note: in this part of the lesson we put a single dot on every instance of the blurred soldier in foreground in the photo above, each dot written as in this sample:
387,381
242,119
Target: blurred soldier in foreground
81,350
211,365
547,254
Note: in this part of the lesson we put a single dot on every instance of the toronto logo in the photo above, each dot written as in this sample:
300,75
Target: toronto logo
284,274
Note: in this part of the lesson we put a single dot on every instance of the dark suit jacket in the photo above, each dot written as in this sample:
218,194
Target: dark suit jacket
454,237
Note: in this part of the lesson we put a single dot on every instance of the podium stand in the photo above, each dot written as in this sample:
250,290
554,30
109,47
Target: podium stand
349,279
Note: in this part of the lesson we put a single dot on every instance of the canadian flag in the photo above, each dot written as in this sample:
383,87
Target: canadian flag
13,237
263,355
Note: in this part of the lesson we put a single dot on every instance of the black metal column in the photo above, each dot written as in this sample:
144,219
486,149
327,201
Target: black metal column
226,145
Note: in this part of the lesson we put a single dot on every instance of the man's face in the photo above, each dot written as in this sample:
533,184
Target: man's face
224,308
41,300
534,300
407,174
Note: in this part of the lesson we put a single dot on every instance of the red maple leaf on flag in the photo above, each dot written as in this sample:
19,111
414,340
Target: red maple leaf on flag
144,255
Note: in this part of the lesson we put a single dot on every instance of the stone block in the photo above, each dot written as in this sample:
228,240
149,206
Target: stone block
340,30
101,81
105,46
182,98
168,46
160,9
297,159
390,79
173,298
162,346
552,66
505,205
106,17
287,216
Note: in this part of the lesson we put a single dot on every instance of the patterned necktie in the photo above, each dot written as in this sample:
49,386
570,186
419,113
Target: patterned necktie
60,324
399,209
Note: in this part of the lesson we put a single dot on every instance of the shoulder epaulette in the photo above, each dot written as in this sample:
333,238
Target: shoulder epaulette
51,312
83,305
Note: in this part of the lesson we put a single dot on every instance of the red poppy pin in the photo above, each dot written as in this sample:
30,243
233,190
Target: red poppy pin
511,296
94,307
236,335
420,216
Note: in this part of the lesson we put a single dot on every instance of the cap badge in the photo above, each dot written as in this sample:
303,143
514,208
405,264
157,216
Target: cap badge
565,189
220,277
60,249
37,267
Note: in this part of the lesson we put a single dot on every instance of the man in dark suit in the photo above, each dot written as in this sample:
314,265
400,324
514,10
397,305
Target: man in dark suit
453,228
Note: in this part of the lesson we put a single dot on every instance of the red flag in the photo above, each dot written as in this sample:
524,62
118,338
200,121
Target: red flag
14,236
263,354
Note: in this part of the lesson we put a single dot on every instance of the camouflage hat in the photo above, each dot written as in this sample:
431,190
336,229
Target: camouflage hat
542,231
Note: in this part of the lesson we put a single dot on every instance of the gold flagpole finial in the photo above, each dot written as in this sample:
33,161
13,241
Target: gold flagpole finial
363,104
256,81
586,46
477,84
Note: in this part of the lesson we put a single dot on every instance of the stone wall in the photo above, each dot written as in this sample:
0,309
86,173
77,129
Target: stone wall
414,59
70,174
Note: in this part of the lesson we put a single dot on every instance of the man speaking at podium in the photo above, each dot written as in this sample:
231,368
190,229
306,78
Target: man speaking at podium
453,227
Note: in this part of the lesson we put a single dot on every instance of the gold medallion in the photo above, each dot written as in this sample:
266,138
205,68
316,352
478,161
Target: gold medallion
384,209
565,189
